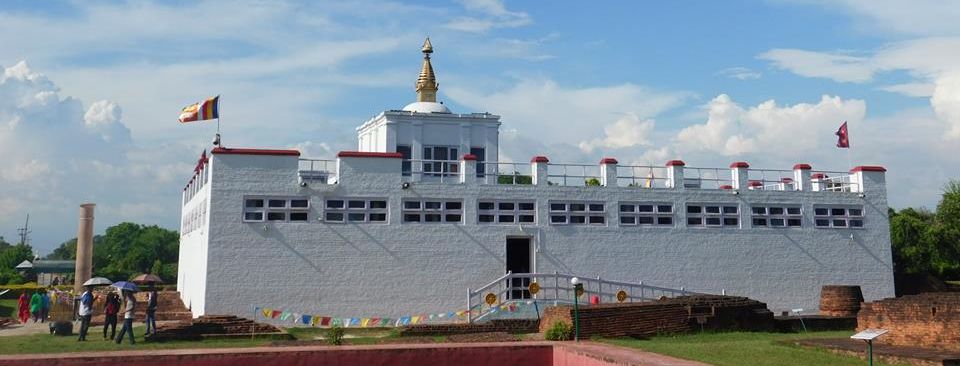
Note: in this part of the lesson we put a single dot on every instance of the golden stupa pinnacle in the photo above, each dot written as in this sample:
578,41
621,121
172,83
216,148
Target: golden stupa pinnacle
427,85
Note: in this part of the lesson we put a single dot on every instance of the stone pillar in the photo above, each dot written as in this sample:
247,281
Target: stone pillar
738,172
801,177
675,174
608,172
468,169
84,265
538,170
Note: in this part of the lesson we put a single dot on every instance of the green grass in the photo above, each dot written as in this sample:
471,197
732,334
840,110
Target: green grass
8,308
735,349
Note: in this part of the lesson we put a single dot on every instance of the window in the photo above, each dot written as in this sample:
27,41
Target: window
713,215
777,216
405,166
577,213
433,211
355,210
278,209
838,217
646,214
481,154
506,212
440,161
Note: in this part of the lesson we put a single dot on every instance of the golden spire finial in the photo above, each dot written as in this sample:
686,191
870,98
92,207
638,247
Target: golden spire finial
427,85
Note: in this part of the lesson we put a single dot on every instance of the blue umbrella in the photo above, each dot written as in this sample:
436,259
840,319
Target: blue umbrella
126,286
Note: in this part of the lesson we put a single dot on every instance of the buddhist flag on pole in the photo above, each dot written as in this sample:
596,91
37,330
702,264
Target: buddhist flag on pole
205,110
843,137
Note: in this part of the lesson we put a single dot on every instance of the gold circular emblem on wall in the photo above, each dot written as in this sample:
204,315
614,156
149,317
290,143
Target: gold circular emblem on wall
534,288
621,296
491,299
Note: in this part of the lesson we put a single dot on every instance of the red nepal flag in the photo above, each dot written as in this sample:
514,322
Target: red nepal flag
843,137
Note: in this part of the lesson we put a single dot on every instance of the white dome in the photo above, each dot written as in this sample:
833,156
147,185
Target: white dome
426,107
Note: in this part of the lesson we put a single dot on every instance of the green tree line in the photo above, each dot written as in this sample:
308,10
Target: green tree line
127,249
927,242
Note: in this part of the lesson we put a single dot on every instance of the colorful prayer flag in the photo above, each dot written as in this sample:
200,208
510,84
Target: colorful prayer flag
202,111
325,321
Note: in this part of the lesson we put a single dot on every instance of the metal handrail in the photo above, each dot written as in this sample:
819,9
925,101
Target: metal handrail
655,177
566,174
556,287
518,173
449,171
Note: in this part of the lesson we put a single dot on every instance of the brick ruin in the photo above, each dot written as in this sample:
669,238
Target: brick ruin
217,326
672,315
840,300
512,326
926,320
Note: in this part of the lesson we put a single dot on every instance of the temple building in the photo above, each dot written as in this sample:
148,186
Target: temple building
424,217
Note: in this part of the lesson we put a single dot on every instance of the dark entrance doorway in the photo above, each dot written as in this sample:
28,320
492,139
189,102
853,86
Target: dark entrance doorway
518,261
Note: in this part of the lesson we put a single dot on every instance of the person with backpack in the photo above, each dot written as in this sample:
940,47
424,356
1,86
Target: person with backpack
110,309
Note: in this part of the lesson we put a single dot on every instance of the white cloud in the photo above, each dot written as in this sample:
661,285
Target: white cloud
915,17
495,15
946,103
839,67
740,73
911,89
560,115
627,131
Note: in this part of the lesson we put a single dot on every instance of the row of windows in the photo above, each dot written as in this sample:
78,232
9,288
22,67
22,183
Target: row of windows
364,210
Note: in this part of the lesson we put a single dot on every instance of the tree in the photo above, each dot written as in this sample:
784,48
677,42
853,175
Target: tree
10,257
929,243
128,249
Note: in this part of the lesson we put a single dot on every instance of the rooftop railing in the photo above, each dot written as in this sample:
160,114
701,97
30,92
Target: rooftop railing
608,173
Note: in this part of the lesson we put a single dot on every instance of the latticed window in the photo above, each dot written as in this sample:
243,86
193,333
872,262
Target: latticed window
433,211
577,213
838,216
646,214
506,212
355,210
276,209
713,215
777,216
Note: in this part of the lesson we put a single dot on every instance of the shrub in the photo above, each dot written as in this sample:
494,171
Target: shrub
335,335
592,182
558,331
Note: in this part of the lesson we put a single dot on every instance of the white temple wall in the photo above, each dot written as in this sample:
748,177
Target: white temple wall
401,268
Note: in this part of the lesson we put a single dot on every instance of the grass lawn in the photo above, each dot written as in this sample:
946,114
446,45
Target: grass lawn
8,308
735,349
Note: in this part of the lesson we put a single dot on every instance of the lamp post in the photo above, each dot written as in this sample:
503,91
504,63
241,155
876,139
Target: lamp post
577,290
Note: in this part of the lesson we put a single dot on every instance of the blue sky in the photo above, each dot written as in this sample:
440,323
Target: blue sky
91,89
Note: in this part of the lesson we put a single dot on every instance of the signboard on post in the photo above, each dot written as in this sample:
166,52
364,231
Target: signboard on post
869,334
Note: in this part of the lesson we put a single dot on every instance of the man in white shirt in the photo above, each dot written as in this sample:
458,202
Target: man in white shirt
85,311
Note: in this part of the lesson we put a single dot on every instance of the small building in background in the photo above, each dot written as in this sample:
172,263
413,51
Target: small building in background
48,272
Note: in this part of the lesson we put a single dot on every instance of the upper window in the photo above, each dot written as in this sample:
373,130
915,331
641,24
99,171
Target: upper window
405,166
276,209
646,214
481,154
432,211
506,212
355,210
440,161
713,215
838,216
777,216
577,213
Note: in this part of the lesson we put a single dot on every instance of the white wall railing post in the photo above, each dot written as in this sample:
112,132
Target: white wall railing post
739,175
675,174
608,172
801,177
538,170
468,169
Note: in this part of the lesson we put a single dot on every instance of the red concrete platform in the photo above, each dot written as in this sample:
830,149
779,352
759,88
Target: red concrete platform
447,354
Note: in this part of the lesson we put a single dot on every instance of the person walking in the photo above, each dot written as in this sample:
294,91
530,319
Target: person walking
110,309
45,306
36,305
151,311
129,304
85,311
23,307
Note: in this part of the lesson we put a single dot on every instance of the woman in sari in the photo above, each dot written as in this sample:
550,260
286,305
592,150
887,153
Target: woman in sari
23,307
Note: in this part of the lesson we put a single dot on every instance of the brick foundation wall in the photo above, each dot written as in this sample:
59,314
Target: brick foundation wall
925,320
513,326
666,316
